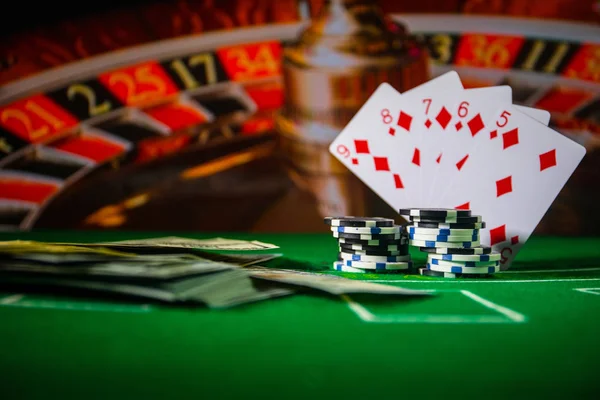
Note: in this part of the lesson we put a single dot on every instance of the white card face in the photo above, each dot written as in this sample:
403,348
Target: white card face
428,103
366,146
513,178
542,116
472,109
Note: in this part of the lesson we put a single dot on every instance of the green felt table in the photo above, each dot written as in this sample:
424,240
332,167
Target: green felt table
530,332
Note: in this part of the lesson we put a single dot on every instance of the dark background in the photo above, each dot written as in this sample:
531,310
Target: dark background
37,37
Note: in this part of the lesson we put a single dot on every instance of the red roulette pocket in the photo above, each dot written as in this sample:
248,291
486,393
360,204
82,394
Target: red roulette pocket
155,148
28,188
179,115
96,147
139,84
563,100
259,123
36,119
267,95
251,61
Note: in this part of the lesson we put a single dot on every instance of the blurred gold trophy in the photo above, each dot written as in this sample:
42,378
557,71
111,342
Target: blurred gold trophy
329,73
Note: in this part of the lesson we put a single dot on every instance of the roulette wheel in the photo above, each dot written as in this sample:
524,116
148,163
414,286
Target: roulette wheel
180,133
203,132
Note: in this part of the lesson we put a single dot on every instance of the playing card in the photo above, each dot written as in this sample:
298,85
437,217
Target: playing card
430,104
364,146
471,108
542,116
512,178
380,145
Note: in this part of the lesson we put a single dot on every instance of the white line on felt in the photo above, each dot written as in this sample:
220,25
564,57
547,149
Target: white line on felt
461,281
366,316
592,290
441,319
513,315
11,299
75,307
539,271
358,309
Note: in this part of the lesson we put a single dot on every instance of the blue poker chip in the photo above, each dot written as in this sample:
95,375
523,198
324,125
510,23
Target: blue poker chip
458,269
376,258
463,251
367,236
359,221
369,230
444,238
435,261
432,244
379,266
437,274
494,256
413,230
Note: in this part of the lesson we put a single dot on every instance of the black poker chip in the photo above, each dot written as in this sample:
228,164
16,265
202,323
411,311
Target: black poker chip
473,219
472,250
448,225
401,251
439,274
435,213
368,236
379,246
373,242
359,221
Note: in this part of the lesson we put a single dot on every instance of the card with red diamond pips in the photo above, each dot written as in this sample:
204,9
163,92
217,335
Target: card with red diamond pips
441,146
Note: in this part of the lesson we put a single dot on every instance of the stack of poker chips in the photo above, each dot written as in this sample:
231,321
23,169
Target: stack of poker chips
370,245
451,239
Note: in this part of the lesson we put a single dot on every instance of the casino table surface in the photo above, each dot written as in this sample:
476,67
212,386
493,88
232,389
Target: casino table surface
530,332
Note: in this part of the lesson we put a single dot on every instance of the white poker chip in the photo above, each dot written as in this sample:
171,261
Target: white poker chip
415,230
392,244
373,230
441,245
444,238
435,261
365,236
378,266
459,269
359,221
339,266
466,257
371,258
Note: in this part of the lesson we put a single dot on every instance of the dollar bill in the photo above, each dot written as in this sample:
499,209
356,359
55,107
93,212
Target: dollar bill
329,283
217,243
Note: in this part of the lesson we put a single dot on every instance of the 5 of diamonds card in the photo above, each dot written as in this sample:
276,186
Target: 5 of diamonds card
512,178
